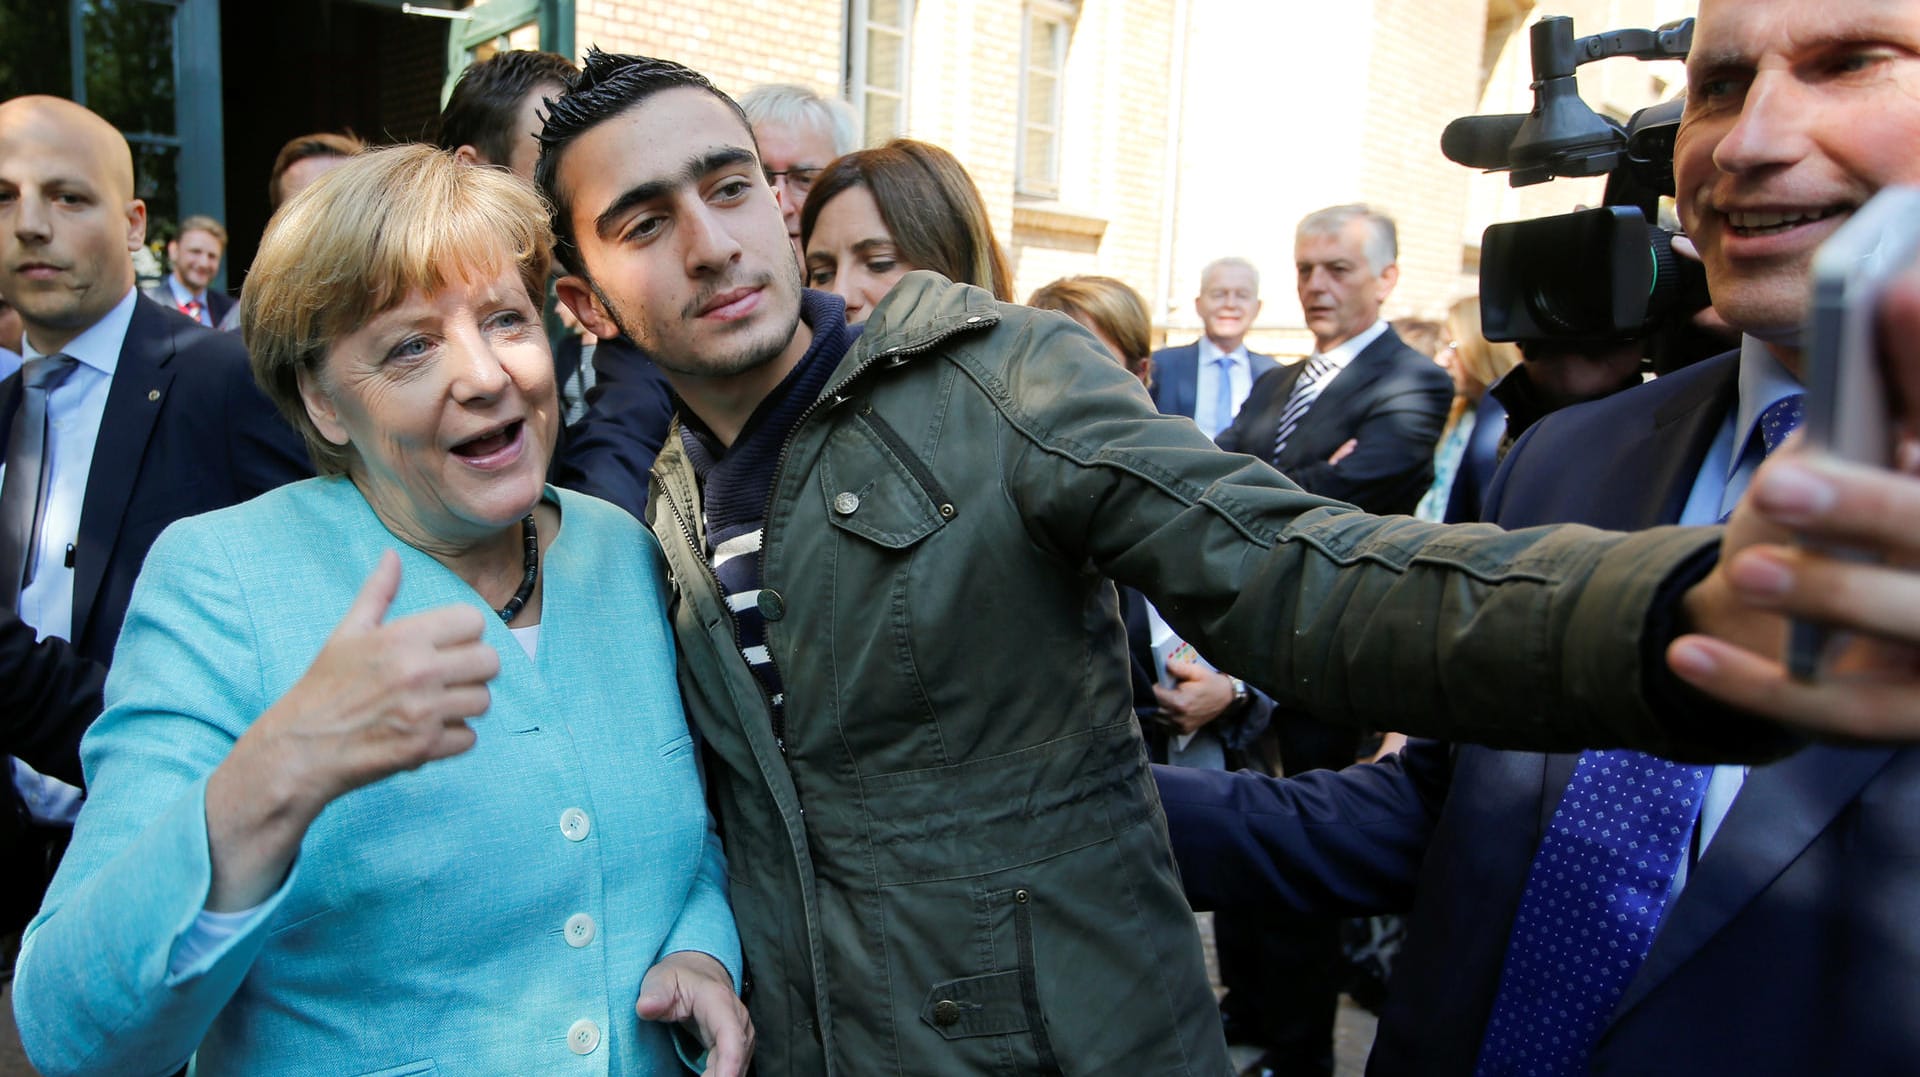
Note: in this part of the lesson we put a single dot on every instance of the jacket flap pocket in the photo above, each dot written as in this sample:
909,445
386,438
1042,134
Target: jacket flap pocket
872,492
987,1005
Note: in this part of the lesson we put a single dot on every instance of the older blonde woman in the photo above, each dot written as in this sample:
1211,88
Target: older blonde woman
393,776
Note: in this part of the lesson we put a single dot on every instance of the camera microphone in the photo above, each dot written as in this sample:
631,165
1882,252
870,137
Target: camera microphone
1482,142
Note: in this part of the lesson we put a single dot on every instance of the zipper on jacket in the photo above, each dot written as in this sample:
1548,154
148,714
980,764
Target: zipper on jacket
693,543
895,356
909,460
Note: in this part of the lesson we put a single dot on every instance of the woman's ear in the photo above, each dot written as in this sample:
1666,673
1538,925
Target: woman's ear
320,407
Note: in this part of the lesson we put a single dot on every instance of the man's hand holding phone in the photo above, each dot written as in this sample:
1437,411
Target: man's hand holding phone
1828,535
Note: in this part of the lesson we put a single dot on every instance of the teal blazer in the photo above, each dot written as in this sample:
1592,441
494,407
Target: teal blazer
492,913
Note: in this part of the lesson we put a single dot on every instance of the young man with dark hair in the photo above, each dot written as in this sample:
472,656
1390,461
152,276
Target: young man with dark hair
891,550
493,115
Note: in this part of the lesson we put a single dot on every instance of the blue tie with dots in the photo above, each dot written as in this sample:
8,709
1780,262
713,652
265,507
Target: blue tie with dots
1594,898
1781,419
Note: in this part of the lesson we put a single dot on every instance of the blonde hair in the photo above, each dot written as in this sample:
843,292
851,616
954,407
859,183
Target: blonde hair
386,224
1108,303
1483,361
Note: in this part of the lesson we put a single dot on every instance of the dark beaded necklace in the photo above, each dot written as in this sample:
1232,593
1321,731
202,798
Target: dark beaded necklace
519,600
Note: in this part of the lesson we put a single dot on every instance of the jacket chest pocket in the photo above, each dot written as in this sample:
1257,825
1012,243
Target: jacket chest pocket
877,489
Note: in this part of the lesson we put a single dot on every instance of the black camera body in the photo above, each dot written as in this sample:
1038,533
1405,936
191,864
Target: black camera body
1607,274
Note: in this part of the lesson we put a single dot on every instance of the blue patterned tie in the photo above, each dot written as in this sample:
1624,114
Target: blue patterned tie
1781,419
1776,425
1223,394
1594,898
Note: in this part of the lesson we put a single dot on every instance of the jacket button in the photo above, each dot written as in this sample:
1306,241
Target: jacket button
580,930
583,1037
772,606
946,1012
846,503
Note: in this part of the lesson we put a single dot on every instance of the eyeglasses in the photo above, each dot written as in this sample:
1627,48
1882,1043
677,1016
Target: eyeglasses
799,180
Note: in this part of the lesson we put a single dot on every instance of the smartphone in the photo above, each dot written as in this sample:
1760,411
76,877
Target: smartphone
1848,408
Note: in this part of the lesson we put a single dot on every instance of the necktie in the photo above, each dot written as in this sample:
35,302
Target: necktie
1593,900
1777,423
23,496
1305,392
1780,420
191,308
1223,394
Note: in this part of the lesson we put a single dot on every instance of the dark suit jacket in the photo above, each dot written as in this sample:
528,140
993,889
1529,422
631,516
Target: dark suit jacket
1466,500
1176,376
219,303
185,431
49,694
609,452
1237,730
1391,399
1793,949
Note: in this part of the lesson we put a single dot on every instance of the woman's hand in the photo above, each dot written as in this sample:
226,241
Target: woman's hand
694,989
379,699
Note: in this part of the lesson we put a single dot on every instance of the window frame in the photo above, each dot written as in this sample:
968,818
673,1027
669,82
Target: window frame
1057,12
860,22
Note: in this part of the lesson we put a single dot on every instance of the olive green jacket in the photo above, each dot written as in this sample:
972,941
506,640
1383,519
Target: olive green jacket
952,860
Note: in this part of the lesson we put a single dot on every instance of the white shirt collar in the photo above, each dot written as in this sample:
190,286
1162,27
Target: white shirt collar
1763,381
99,346
180,293
1209,351
1342,354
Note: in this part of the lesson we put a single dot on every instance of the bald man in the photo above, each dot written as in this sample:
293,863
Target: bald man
125,417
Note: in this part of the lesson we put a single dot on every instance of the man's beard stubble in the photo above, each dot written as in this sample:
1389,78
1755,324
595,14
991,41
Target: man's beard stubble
750,355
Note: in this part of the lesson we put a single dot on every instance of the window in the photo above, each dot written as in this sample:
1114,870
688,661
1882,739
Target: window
481,29
879,41
143,66
1043,69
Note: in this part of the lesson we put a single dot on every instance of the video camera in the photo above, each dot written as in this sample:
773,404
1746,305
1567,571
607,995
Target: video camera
1596,275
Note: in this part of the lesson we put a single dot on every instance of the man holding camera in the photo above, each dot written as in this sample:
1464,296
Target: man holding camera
1763,925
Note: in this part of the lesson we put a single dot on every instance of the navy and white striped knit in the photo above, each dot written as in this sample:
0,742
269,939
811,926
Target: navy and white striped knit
737,482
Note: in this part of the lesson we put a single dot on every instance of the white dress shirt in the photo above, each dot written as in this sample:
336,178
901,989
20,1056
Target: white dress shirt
74,411
1343,354
1729,465
181,297
1206,386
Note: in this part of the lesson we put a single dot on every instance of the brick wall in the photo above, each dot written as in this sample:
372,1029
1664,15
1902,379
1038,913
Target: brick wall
1193,128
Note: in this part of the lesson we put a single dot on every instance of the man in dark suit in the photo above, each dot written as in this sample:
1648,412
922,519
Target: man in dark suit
1208,380
1753,921
188,288
126,417
1358,420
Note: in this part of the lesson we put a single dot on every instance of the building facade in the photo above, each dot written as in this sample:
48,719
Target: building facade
1135,138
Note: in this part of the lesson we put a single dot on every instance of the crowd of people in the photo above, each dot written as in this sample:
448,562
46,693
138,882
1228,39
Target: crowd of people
817,662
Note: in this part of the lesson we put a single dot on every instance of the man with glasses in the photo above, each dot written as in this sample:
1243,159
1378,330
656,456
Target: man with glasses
798,132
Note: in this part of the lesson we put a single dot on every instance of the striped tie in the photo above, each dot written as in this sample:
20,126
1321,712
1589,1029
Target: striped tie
1305,392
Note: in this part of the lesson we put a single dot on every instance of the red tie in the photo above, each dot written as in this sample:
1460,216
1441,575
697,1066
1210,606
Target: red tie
191,308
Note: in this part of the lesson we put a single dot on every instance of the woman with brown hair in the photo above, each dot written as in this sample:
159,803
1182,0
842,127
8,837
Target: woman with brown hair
875,215
1464,460
1109,309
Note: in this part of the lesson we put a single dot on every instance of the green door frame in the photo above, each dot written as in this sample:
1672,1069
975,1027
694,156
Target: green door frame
490,18
199,123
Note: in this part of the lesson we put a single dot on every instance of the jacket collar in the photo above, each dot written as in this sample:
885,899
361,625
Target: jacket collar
921,312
